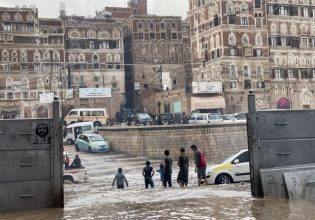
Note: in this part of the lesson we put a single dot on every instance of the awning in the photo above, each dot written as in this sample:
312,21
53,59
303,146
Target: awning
207,102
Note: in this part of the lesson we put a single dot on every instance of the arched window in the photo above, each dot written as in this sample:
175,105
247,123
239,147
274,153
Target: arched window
140,25
108,57
244,8
91,34
212,42
293,29
259,72
54,84
18,17
95,61
14,56
151,26
232,39
246,71
29,17
56,56
74,34
304,29
116,34
117,57
245,40
6,16
25,84
258,40
5,56
71,58
283,29
9,83
46,56
217,41
103,35
23,56
230,9
162,26
36,56
81,58
40,85
273,28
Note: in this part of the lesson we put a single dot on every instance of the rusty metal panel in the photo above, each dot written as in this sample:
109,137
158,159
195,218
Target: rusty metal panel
25,165
286,124
25,195
284,152
25,134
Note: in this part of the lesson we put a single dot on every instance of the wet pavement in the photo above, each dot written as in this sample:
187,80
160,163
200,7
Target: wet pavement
97,199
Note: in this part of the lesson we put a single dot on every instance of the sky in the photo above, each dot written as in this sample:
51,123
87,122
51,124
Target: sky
50,8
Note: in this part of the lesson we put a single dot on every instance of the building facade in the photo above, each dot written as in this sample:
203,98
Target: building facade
291,27
135,7
32,59
156,60
230,55
94,56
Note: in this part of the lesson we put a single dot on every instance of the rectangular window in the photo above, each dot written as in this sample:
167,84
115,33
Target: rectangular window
10,95
6,68
81,80
163,35
233,51
305,11
283,41
295,11
295,42
25,95
174,35
261,84
277,73
258,52
313,73
247,84
91,45
85,113
7,27
231,19
258,22
141,36
233,84
273,41
313,41
283,10
152,35
270,9
304,42
36,68
290,73
257,3
244,21
23,67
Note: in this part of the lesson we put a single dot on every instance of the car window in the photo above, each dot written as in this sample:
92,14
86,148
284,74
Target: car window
85,113
244,157
73,113
193,117
97,113
87,128
82,137
96,138
69,130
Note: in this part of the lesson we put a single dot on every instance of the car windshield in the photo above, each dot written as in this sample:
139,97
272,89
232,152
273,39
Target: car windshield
213,116
227,159
144,116
96,138
227,117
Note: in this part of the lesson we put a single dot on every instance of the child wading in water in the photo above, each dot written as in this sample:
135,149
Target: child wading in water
148,173
161,171
120,180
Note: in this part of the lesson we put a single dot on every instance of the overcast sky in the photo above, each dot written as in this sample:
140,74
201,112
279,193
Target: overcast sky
50,8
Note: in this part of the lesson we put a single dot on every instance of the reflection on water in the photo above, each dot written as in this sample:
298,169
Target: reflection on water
206,208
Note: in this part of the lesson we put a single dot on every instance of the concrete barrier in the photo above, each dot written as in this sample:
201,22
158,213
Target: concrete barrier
216,141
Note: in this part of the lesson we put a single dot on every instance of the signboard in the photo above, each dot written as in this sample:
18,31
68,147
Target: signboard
137,86
207,87
166,81
46,97
95,92
69,94
177,107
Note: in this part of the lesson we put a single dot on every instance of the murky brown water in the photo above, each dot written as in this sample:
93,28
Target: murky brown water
96,199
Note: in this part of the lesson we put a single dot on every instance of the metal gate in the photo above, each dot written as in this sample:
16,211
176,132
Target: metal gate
31,163
281,144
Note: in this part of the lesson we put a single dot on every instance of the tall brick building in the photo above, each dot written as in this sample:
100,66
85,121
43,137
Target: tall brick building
31,56
95,58
135,7
267,47
155,59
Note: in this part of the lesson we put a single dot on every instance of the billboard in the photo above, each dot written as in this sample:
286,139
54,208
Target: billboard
46,97
95,92
207,87
69,94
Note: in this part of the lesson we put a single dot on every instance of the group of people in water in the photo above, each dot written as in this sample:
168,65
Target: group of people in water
76,163
166,170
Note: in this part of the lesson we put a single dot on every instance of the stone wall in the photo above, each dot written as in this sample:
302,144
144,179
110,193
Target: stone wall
216,141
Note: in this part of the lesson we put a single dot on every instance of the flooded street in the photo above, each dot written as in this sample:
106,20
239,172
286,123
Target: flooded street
97,199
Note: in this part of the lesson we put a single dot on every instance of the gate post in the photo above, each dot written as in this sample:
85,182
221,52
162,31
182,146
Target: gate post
253,146
57,151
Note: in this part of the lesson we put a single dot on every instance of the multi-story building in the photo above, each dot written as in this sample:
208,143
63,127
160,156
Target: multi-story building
94,55
230,54
135,7
291,26
155,59
32,57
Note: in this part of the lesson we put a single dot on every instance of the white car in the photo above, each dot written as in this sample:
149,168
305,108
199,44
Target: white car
74,175
205,118
233,169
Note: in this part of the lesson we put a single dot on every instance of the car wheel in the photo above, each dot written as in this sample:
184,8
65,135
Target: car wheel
70,178
73,122
165,122
224,179
69,142
97,124
90,150
77,148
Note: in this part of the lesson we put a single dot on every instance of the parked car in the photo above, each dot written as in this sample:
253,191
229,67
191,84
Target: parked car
140,119
205,118
73,175
91,143
72,131
125,116
164,119
240,117
233,169
228,118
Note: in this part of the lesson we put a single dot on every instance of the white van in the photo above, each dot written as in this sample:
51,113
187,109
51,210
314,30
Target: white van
72,131
98,116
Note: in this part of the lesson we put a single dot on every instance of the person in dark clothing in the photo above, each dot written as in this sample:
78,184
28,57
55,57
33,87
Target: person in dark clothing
117,116
76,164
201,164
66,161
183,163
148,173
120,180
167,169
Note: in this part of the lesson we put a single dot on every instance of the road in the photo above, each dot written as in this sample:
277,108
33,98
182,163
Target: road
97,199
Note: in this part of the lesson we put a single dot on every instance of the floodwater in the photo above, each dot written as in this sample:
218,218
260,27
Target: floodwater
97,199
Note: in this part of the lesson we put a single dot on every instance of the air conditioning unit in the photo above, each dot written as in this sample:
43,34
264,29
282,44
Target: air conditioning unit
248,51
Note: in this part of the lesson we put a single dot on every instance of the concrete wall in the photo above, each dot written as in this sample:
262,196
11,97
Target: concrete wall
215,140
